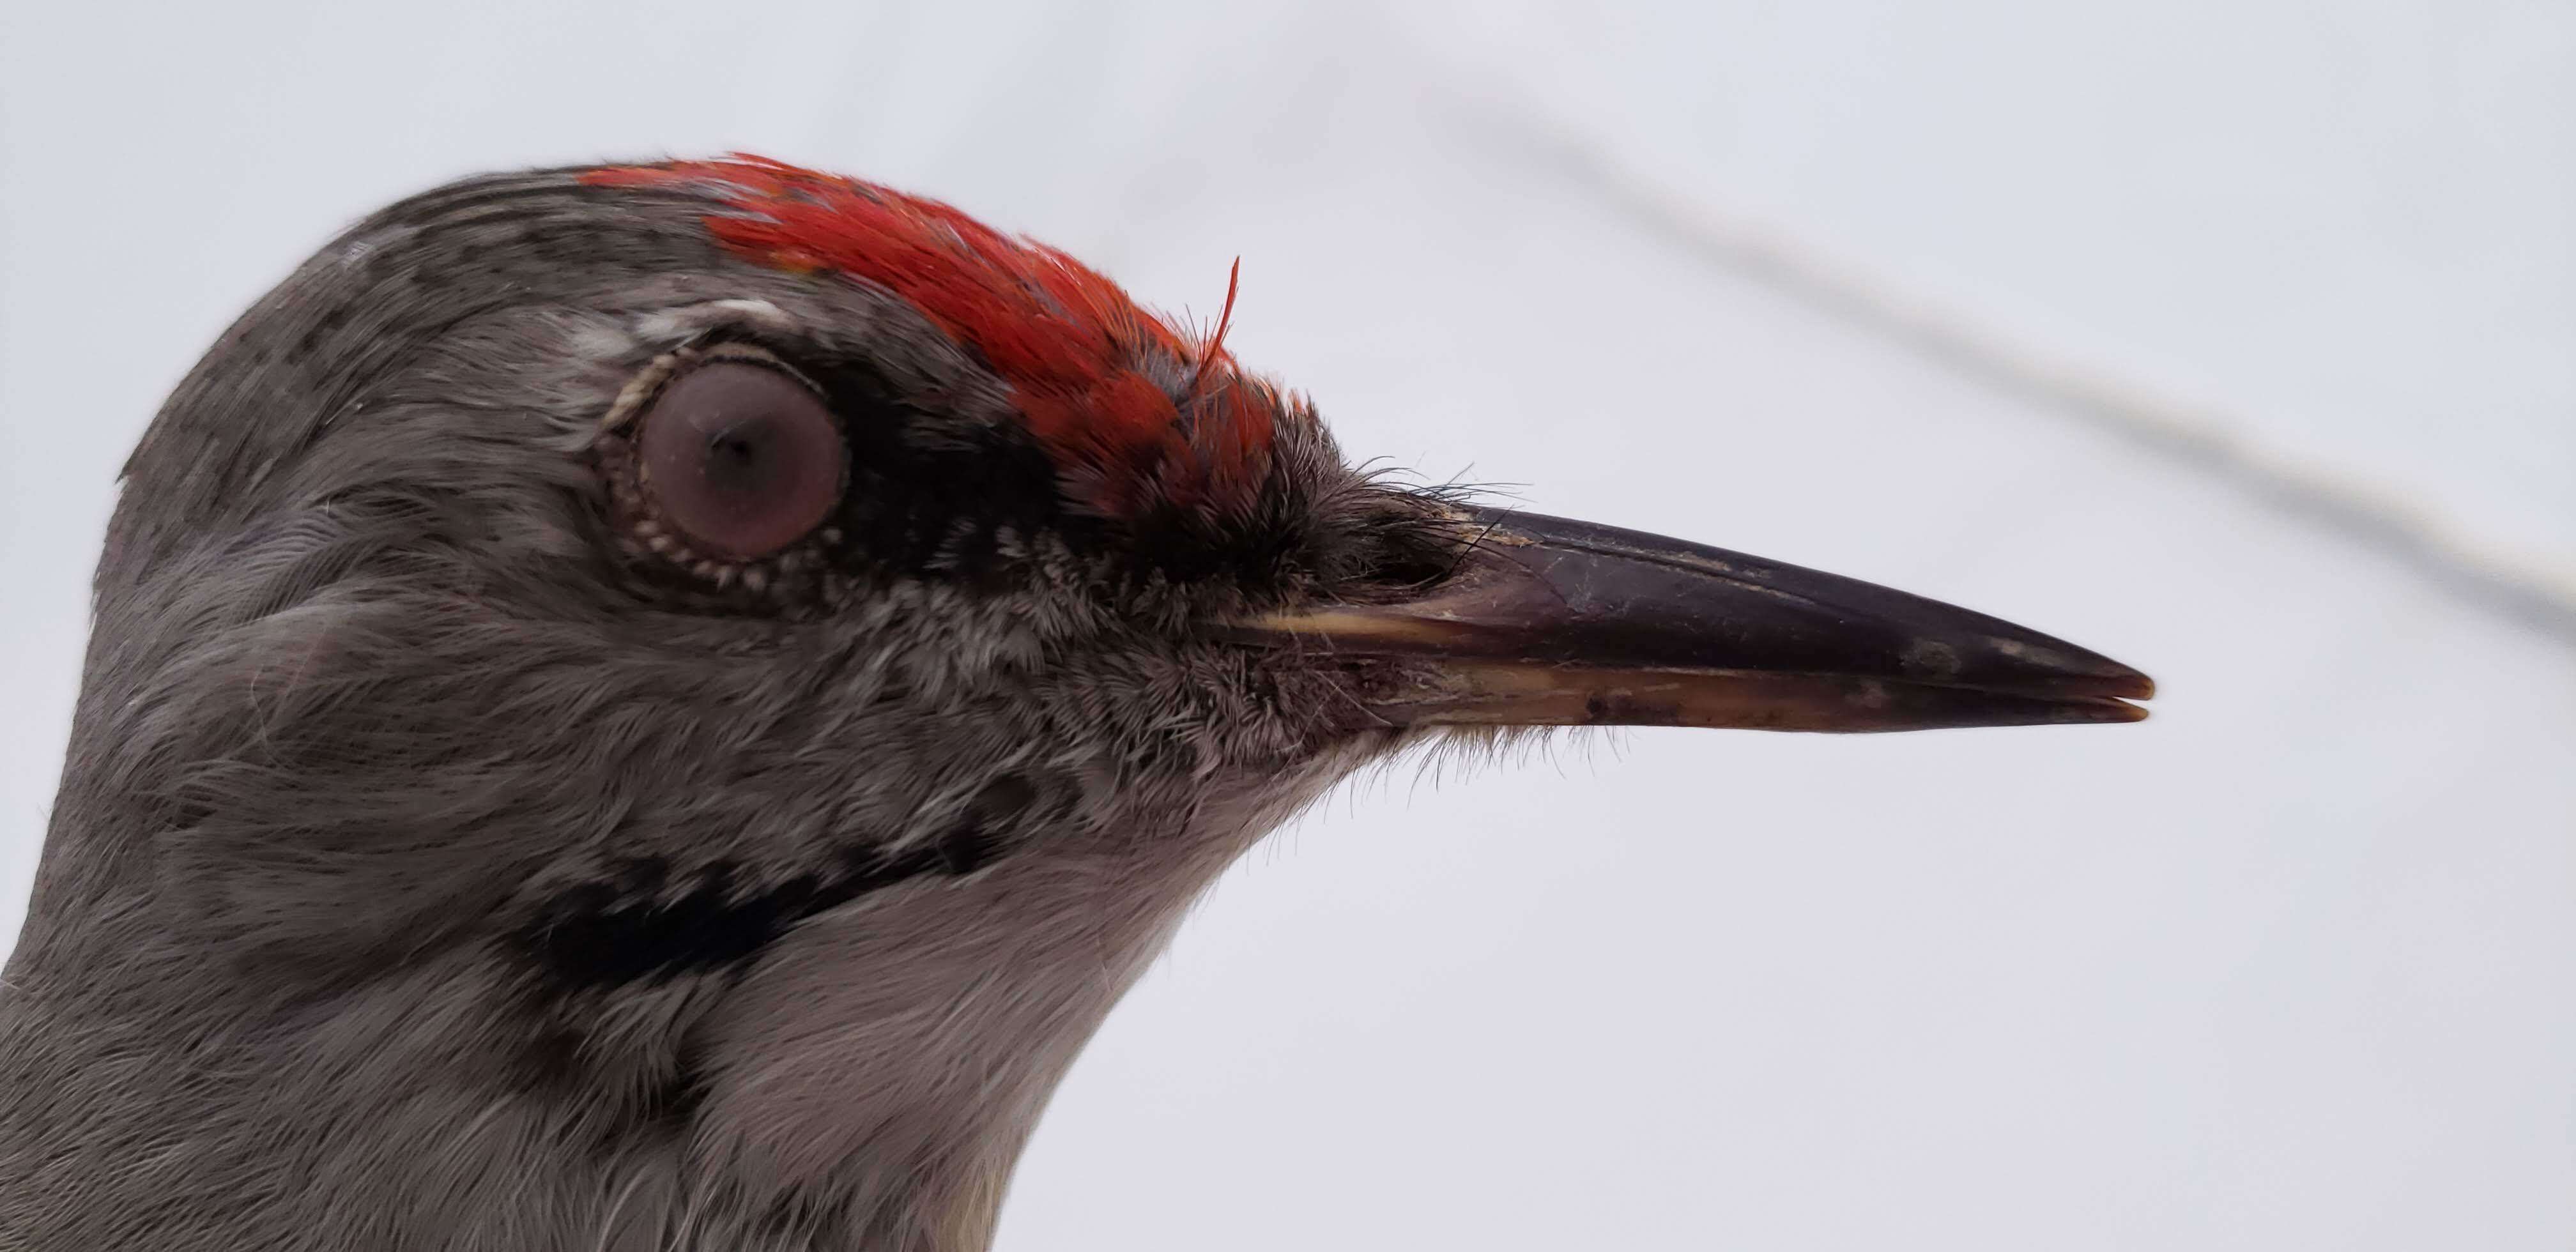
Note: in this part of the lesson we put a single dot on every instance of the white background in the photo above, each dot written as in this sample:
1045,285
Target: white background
2236,340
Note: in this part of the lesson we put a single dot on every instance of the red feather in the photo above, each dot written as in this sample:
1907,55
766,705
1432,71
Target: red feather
1072,346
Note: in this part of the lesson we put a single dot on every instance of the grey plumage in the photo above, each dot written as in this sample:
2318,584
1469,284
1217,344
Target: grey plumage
364,702
436,866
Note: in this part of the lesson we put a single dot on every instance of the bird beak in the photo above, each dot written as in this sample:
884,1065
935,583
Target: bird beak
1551,622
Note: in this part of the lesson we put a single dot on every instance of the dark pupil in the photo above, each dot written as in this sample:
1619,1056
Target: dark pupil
739,457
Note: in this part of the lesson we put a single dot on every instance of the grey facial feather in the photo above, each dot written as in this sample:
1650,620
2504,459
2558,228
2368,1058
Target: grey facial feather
431,872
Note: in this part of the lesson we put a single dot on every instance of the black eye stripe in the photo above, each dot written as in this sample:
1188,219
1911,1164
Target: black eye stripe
923,493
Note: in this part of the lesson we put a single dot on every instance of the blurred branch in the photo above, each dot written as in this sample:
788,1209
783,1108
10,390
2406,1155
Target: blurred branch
2523,587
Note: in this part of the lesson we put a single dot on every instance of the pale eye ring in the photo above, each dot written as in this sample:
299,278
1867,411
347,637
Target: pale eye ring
740,459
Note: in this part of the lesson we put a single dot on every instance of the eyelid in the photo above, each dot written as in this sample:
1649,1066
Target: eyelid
694,323
639,392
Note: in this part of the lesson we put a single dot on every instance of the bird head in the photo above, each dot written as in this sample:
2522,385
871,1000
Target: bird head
658,706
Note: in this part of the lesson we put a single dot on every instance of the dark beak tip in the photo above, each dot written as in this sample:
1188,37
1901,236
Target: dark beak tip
2101,690
2118,683
2026,659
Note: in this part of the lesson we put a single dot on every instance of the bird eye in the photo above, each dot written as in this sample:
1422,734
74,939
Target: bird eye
741,459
